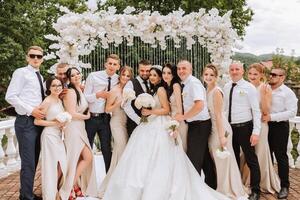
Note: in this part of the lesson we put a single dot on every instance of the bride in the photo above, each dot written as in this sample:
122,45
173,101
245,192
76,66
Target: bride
152,166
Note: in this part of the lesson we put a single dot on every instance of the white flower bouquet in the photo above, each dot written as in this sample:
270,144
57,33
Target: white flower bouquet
63,117
222,152
144,100
127,95
172,127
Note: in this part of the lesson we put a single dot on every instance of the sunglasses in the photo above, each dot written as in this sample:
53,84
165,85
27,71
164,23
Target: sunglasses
275,75
33,56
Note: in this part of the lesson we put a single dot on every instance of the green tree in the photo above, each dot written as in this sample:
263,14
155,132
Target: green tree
24,23
241,15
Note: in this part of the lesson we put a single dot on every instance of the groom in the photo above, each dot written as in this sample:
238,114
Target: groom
140,85
199,124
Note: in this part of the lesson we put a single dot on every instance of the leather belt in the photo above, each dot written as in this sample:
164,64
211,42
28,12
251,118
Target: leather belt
98,114
242,124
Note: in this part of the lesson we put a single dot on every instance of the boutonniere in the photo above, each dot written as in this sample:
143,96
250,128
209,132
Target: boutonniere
242,93
183,94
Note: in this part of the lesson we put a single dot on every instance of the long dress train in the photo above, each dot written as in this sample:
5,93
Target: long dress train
75,139
152,167
229,180
53,153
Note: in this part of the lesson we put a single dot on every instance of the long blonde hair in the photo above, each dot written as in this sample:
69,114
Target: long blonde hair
260,68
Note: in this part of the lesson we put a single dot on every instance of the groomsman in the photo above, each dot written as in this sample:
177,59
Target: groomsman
60,73
242,107
25,93
284,107
140,85
199,124
97,86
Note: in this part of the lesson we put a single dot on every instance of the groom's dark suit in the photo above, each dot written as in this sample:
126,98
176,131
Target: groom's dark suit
131,124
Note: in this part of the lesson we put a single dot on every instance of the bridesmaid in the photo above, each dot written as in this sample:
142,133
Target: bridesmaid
174,90
228,175
80,179
117,123
53,153
269,180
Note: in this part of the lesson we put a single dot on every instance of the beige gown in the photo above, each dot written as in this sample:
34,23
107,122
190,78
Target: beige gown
53,152
75,139
269,179
229,180
120,138
183,128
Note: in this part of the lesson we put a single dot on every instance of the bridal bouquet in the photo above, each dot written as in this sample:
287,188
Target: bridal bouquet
172,127
144,100
63,117
128,95
222,152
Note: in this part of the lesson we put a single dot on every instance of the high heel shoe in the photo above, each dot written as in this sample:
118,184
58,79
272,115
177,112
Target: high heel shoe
71,197
78,192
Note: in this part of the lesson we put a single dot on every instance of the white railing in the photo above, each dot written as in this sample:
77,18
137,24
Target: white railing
294,123
9,154
10,159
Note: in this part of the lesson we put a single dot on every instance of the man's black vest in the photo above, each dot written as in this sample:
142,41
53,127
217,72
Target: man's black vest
138,90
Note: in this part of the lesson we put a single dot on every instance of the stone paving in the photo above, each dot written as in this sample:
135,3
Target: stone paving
9,186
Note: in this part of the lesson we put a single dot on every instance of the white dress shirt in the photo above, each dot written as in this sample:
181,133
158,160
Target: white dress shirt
284,104
193,90
95,82
245,104
127,107
24,92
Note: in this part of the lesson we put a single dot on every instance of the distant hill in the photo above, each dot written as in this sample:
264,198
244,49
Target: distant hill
249,58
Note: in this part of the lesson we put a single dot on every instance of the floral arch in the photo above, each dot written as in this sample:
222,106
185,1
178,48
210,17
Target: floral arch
78,34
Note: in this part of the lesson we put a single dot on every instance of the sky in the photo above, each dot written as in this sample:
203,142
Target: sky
275,24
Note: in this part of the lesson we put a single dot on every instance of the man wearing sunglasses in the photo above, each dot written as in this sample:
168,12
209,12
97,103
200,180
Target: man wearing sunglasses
25,93
284,107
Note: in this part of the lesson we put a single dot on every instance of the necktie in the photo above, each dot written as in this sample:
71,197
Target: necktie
109,83
230,101
41,84
146,85
182,86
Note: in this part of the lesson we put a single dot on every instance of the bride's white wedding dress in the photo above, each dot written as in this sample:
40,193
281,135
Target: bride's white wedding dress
152,167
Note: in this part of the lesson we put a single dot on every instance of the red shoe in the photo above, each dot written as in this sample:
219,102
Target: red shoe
78,192
71,197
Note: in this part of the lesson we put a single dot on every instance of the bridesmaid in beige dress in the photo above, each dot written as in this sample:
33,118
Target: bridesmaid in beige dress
53,153
117,123
269,179
80,178
229,180
173,88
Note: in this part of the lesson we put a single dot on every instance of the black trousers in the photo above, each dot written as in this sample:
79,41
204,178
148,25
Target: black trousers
241,139
130,126
28,136
101,126
278,140
197,150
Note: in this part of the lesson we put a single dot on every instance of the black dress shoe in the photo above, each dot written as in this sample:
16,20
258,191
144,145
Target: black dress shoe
254,196
283,194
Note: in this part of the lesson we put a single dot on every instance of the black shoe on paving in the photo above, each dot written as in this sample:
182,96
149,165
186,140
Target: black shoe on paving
254,196
283,194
